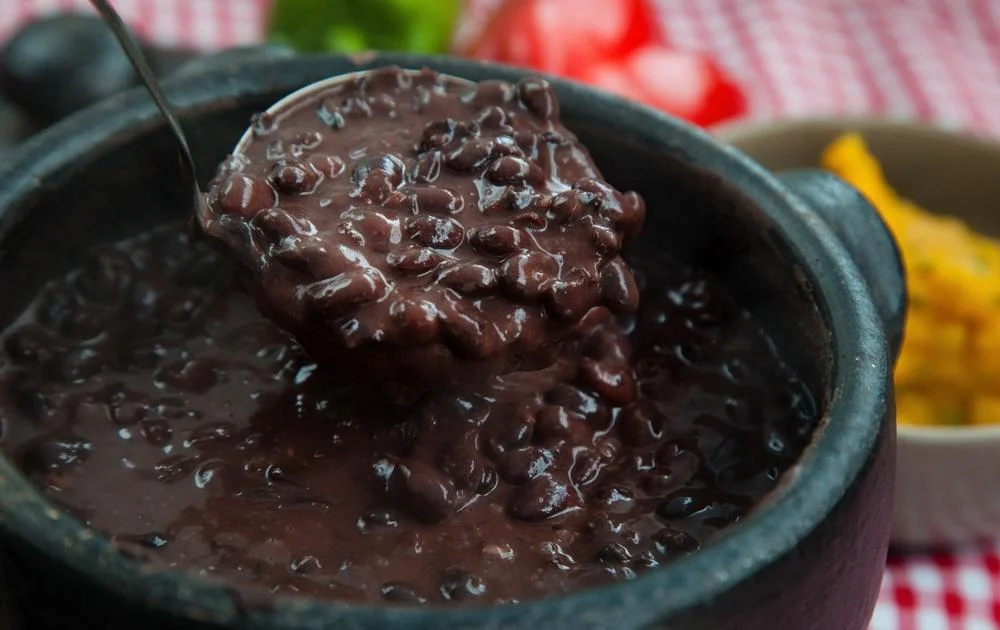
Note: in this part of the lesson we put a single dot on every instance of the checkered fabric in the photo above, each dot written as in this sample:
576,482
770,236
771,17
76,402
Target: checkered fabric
936,60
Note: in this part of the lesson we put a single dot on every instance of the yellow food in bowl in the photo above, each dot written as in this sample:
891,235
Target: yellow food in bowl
949,367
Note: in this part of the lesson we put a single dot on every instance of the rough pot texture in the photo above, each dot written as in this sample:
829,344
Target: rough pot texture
811,556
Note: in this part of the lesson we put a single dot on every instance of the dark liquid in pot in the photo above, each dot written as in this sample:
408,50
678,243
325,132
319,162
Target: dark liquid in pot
147,396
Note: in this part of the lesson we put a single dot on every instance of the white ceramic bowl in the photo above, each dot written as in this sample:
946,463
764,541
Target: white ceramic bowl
947,478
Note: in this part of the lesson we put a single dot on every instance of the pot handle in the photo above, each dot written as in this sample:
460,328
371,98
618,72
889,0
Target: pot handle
860,228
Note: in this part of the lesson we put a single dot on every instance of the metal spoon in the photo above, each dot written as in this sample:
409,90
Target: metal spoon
134,53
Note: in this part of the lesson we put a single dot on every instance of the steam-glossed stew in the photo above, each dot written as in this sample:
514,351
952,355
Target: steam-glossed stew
150,398
413,226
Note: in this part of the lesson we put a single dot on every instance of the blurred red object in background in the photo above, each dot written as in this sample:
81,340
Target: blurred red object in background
615,45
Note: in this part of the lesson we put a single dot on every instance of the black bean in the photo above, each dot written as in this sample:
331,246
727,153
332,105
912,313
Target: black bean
75,366
539,98
615,498
244,195
330,166
389,79
336,296
680,505
262,124
277,224
539,499
157,432
660,481
615,553
610,379
306,139
416,321
315,260
31,401
647,560
468,279
606,242
415,261
587,467
105,277
463,464
276,150
434,231
385,167
528,220
509,432
55,454
619,288
498,240
383,105
195,376
459,585
492,92
128,412
30,345
174,468
472,155
183,310
378,230
436,200
672,541
524,464
599,196
92,412
513,170
401,593
585,405
491,117
641,424
607,343
328,111
427,494
427,168
527,141
304,565
634,215
356,106
527,275
205,473
437,134
467,333
553,422
489,482
565,206
210,432
294,178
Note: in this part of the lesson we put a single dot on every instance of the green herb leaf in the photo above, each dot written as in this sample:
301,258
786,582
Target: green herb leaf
424,26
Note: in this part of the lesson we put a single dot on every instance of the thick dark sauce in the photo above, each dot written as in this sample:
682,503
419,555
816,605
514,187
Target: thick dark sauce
421,228
147,396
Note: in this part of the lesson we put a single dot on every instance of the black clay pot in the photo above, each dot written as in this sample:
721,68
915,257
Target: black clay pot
810,557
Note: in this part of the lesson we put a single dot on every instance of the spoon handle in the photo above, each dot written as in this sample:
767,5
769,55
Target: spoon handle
138,61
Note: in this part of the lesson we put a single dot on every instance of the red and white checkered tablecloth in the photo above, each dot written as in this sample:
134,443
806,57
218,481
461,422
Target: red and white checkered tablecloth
931,59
